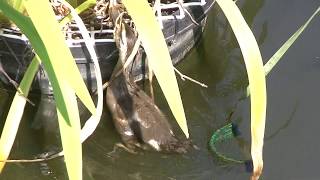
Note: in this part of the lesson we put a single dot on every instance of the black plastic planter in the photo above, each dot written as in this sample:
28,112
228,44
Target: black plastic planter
180,33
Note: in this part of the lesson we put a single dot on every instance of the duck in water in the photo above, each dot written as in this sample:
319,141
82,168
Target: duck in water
136,118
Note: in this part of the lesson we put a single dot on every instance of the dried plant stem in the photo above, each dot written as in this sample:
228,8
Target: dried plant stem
33,160
184,77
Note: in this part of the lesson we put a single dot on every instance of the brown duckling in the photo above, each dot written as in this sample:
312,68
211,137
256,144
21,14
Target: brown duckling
136,118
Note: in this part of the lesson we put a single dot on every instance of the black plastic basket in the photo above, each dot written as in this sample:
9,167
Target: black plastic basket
180,33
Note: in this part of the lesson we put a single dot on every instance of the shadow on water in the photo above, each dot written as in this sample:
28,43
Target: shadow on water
292,118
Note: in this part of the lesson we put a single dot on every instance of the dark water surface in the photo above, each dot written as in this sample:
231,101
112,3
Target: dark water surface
291,144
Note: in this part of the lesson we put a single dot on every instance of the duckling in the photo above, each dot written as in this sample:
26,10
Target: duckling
136,118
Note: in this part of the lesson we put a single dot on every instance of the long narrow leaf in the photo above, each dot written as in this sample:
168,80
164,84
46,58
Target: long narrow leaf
17,4
27,27
18,104
12,122
82,7
70,134
158,55
277,56
62,65
10,128
225,132
92,123
254,66
284,48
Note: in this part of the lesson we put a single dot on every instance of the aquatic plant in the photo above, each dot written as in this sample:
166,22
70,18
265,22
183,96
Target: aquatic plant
32,17
227,132
64,87
57,60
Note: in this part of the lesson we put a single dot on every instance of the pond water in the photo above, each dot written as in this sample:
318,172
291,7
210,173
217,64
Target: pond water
291,147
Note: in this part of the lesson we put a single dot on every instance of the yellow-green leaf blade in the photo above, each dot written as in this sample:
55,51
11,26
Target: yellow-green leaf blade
256,76
283,49
70,134
17,4
276,57
82,7
25,24
58,63
158,55
15,113
63,62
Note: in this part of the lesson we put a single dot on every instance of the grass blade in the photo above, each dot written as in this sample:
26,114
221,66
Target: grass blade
61,62
64,95
17,4
283,49
14,116
27,27
82,7
65,62
255,71
92,123
70,134
158,55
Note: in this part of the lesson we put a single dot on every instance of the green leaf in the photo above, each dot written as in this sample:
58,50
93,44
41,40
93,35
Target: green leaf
283,49
255,71
91,124
65,63
67,75
70,134
226,133
63,74
16,4
158,55
84,6
14,116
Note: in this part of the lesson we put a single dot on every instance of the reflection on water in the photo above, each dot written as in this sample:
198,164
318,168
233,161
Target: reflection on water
292,120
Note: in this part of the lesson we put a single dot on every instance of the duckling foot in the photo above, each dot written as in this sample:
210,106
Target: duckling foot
121,145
